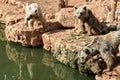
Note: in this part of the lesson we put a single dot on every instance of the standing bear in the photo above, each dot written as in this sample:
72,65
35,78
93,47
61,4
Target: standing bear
34,13
87,21
105,45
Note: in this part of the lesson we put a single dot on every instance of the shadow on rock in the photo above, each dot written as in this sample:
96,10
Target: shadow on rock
56,26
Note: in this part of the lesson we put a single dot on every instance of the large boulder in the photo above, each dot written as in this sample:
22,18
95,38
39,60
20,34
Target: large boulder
23,34
66,16
65,45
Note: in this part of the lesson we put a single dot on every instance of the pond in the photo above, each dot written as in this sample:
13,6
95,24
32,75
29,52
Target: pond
28,63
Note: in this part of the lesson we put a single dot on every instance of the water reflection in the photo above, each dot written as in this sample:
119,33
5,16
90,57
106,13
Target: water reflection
29,59
2,35
40,64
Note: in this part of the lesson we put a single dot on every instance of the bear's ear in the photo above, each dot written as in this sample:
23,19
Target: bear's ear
87,51
85,8
76,7
27,4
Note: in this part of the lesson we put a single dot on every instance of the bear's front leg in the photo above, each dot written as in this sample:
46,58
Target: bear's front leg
109,61
107,55
30,23
89,29
26,22
82,26
44,23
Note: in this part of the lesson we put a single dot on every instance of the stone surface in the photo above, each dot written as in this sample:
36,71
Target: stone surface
11,14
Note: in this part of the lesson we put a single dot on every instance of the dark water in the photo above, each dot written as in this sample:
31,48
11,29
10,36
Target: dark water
21,63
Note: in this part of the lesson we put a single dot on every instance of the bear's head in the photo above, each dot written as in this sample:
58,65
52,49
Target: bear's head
81,12
32,11
86,54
